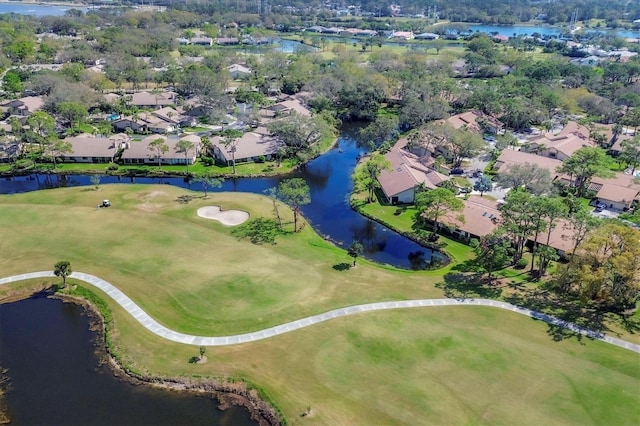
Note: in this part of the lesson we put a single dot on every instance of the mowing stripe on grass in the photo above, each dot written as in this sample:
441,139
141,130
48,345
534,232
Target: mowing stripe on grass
152,325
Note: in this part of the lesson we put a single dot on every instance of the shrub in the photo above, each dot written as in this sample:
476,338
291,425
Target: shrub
522,263
112,166
207,161
259,230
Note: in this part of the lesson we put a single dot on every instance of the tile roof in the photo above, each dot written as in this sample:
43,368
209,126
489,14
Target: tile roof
510,156
481,215
250,145
92,147
407,171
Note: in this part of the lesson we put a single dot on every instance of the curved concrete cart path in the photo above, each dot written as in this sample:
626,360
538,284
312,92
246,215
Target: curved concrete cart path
152,325
226,217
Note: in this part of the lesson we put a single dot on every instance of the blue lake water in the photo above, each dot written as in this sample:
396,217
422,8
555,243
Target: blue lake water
510,30
56,377
36,9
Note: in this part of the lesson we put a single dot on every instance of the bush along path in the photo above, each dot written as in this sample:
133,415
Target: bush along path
152,325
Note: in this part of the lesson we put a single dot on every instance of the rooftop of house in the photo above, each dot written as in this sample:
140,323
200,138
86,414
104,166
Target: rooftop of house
86,146
566,144
622,188
481,216
561,236
250,145
31,103
470,119
406,172
168,114
137,150
153,99
510,157
239,68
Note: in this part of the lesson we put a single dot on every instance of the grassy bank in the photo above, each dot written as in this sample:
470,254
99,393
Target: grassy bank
435,365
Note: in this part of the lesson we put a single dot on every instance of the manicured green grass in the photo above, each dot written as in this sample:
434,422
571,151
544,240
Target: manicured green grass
449,365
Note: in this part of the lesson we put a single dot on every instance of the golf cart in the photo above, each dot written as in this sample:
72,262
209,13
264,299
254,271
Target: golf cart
105,203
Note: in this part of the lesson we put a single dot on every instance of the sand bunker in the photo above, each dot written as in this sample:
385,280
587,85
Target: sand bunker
227,217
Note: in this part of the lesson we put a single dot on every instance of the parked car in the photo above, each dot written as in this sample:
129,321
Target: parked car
600,207
456,172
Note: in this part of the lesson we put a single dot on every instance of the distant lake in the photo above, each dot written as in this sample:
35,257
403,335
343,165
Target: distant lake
35,9
510,30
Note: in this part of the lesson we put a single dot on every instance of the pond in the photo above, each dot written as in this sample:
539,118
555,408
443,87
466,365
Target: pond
56,376
329,179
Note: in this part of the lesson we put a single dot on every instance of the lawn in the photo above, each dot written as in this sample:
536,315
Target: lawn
425,366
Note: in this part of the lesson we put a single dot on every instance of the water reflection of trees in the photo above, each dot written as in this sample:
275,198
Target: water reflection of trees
418,260
317,177
367,233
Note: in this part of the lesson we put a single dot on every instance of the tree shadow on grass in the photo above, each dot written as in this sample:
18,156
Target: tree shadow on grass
466,266
186,199
458,286
342,266
631,324
566,308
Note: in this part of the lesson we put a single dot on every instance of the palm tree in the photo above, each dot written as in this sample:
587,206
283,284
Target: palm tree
160,147
185,146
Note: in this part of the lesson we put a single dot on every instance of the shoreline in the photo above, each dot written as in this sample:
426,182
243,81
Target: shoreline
227,393
45,3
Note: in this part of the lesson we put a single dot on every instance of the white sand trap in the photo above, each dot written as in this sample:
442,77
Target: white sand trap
227,217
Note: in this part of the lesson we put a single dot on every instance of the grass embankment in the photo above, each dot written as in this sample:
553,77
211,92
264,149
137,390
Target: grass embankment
437,365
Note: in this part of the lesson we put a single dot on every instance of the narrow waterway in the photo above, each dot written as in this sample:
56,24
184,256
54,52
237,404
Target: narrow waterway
329,179
56,377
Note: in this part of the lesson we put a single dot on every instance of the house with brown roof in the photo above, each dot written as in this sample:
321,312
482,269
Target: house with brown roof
86,149
251,147
559,147
481,217
139,152
161,121
174,117
560,238
617,192
24,107
616,147
285,108
153,100
407,173
476,121
563,144
510,157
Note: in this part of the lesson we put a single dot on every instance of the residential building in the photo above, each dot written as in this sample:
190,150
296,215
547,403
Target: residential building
86,149
237,71
481,216
153,100
227,41
617,192
510,157
251,147
140,153
24,107
407,174
476,122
